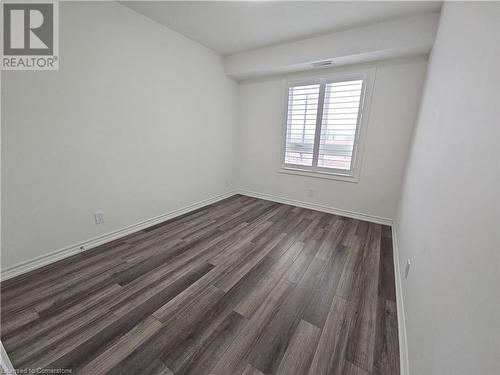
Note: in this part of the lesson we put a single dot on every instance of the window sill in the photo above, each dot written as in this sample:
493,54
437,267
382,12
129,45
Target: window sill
319,174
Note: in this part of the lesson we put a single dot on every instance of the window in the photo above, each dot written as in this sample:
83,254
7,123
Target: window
323,125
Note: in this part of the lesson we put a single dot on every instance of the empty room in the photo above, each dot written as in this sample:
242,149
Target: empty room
250,187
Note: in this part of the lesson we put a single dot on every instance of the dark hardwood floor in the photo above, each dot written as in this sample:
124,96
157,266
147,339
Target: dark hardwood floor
243,286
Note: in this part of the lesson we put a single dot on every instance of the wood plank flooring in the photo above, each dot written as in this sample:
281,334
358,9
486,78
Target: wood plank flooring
243,286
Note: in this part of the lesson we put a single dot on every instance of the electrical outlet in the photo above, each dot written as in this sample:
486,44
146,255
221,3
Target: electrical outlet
99,217
407,268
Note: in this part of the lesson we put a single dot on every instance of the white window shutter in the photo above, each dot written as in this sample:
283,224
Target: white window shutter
301,124
339,124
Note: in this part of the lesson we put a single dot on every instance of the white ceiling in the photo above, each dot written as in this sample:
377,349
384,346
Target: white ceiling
231,27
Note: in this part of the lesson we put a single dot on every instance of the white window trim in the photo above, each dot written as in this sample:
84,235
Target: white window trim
368,77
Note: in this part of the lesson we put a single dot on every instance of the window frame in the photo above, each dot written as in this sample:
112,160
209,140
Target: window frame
352,175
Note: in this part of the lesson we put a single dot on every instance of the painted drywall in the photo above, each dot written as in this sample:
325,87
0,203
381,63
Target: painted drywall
138,121
396,38
394,104
448,221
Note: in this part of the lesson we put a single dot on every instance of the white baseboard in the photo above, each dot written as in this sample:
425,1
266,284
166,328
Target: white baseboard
318,207
67,251
54,256
403,342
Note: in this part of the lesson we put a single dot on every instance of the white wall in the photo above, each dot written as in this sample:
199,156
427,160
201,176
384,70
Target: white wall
137,122
448,222
394,105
